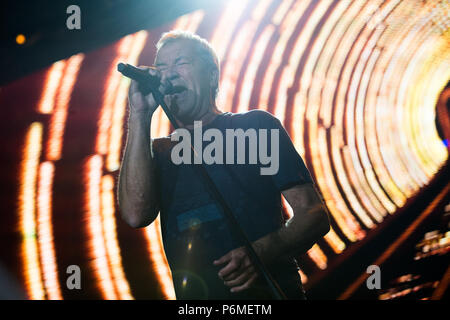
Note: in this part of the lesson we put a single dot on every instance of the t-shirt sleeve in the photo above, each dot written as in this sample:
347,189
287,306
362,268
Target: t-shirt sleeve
291,169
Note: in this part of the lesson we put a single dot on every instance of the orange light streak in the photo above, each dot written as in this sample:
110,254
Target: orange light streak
392,156
308,93
110,238
344,219
420,151
288,74
96,242
225,28
51,86
355,132
318,257
362,132
58,119
378,101
45,231
109,141
333,240
286,29
189,22
303,276
27,211
345,96
333,57
252,68
281,12
110,94
160,265
236,56
119,104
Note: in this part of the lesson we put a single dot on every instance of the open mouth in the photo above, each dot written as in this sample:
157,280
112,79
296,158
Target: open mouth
177,90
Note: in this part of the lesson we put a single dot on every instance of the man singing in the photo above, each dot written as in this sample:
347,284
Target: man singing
205,256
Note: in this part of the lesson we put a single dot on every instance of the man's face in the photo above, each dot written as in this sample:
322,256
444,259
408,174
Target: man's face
179,63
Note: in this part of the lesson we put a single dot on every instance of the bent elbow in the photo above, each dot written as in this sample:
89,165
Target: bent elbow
138,220
325,228
324,224
137,223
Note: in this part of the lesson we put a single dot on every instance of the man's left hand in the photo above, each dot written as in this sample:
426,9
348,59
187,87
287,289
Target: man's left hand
239,272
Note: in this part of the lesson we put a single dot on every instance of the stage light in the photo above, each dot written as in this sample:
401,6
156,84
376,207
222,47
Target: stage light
27,211
51,87
59,115
96,245
20,39
45,231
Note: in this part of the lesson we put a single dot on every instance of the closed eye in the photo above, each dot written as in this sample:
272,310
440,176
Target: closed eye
178,89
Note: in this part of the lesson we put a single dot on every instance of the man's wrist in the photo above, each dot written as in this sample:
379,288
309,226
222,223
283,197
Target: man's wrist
139,116
270,247
263,249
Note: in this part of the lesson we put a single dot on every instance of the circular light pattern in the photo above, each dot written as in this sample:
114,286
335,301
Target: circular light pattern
354,82
20,39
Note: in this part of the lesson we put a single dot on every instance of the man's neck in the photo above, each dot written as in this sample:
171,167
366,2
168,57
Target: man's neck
205,118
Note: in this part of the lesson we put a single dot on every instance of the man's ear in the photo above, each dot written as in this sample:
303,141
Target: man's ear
213,78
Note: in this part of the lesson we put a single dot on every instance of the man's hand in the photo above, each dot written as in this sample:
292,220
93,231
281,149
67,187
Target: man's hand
138,102
239,272
309,224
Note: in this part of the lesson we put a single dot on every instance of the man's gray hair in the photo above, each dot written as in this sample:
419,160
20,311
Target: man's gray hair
204,49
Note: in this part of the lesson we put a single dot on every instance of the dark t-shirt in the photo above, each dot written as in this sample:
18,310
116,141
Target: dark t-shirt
194,229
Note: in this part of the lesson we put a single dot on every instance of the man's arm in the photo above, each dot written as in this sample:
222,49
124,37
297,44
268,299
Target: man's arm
309,224
137,196
137,190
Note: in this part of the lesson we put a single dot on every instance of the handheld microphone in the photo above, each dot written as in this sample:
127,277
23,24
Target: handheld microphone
147,82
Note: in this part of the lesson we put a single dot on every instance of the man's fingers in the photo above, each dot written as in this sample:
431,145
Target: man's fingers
244,265
232,266
134,86
243,268
233,275
223,259
241,279
246,285
236,259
